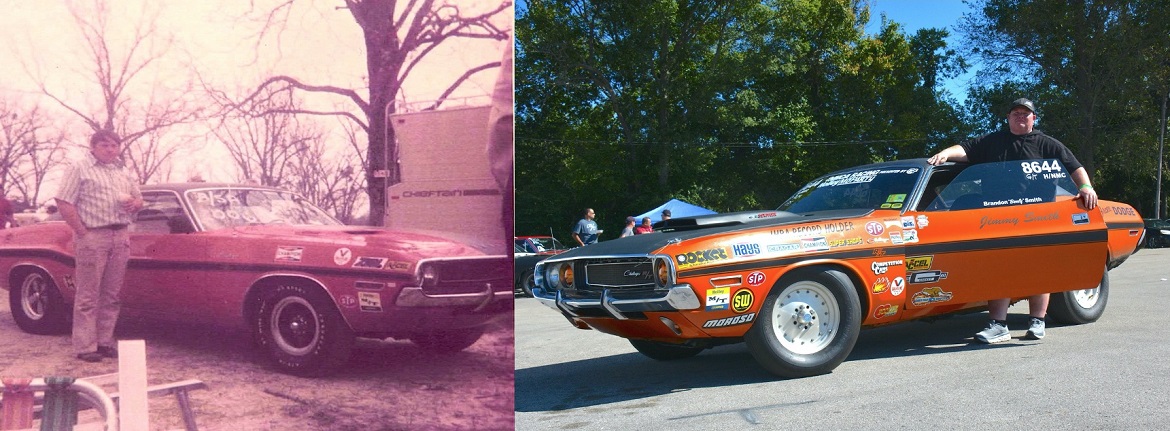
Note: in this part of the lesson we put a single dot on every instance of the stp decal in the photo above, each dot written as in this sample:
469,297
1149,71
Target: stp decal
756,278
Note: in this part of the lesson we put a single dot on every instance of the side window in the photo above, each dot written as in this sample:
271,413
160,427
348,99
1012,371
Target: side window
158,213
1019,182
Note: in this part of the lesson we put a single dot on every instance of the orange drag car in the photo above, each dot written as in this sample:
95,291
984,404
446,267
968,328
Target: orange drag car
862,247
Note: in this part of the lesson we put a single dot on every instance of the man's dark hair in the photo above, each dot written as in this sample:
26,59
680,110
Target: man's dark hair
104,135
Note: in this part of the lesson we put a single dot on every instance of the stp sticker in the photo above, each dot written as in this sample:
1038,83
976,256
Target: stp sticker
348,301
874,228
756,278
342,256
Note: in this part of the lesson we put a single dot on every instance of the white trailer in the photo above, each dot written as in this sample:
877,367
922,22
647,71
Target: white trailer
446,185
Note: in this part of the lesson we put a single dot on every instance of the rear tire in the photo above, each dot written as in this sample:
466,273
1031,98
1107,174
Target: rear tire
807,325
37,305
1077,307
664,351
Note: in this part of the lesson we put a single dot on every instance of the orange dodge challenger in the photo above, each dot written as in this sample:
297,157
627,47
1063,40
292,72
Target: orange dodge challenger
861,247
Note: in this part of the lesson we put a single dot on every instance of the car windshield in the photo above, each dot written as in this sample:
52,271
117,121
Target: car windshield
231,207
539,245
997,184
865,188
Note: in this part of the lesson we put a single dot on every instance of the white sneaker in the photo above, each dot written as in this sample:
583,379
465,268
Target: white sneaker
995,333
1036,330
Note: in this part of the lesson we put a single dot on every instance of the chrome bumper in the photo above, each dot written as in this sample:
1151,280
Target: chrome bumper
679,297
415,297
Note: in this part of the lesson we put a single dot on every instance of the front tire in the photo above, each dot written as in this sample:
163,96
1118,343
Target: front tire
808,324
664,351
1077,307
301,331
37,306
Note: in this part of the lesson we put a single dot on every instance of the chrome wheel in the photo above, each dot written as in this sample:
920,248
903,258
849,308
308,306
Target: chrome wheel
806,317
1087,298
294,325
33,296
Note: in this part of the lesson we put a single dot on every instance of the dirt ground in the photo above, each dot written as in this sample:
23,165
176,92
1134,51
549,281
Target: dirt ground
387,385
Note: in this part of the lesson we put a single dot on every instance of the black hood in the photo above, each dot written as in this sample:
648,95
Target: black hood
687,228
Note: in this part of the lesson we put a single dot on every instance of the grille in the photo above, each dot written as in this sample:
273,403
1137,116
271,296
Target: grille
619,274
470,276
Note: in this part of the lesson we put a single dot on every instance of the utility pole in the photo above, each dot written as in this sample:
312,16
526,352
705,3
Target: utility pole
1161,145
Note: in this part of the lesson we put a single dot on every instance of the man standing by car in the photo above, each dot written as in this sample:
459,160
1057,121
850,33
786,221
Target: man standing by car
97,199
586,232
1019,142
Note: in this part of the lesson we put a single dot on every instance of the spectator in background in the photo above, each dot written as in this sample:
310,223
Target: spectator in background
586,231
629,229
645,227
7,215
665,215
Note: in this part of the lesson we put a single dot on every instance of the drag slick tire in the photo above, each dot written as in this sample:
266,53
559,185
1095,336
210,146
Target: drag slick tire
301,331
660,351
36,304
808,323
1077,307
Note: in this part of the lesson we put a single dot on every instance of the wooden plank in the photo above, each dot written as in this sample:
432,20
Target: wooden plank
132,406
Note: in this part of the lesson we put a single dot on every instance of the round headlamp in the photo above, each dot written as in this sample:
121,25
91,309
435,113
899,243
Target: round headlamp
429,276
662,272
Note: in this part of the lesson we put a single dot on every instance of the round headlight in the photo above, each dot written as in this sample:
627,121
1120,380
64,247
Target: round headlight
662,272
553,274
566,271
429,277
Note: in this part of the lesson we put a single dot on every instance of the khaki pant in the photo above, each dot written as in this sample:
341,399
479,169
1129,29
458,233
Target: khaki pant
101,258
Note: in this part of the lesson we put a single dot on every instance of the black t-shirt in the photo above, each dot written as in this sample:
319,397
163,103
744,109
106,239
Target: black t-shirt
1003,146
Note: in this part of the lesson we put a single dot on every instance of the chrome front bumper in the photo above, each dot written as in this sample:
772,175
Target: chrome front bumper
679,297
415,297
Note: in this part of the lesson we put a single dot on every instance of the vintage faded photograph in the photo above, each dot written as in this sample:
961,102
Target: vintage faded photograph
265,215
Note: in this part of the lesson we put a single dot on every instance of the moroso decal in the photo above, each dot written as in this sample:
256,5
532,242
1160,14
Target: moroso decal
916,263
931,295
696,258
742,301
885,310
718,298
730,321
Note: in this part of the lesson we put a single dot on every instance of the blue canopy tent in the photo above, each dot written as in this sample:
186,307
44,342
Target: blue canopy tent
677,209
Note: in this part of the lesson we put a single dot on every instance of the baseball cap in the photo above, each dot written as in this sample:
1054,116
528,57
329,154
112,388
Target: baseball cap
1023,102
666,213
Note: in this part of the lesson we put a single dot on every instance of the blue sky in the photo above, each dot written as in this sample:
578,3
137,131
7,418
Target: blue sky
916,14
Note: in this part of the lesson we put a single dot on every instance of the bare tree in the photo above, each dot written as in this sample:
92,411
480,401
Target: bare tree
397,37
332,179
113,71
29,149
265,138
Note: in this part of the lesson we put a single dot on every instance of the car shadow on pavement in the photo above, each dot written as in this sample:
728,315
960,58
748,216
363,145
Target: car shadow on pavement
631,376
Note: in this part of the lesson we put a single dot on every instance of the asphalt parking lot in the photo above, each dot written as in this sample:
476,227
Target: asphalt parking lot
1111,374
